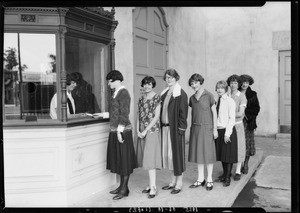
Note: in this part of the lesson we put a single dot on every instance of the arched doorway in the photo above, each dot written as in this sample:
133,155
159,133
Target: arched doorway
149,47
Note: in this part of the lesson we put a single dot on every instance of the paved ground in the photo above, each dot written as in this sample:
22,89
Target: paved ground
270,186
219,197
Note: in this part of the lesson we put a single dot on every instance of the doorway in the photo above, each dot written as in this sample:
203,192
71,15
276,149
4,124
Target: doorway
285,91
149,48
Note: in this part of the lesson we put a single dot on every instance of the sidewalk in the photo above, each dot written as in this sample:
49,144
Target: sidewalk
270,187
219,197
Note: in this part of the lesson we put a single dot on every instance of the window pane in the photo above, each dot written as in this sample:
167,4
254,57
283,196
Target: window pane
89,60
30,92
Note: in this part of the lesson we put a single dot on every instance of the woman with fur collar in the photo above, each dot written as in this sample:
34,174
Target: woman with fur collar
251,112
173,123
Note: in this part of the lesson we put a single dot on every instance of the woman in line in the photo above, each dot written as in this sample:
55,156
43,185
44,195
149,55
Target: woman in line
251,112
121,158
226,143
148,131
240,102
203,131
173,123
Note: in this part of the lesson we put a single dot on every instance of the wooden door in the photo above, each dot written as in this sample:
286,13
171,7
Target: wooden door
285,91
149,48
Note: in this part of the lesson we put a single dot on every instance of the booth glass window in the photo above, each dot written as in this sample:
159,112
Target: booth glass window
29,74
31,78
88,61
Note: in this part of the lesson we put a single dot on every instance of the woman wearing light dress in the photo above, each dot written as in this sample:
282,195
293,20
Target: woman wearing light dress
240,102
148,131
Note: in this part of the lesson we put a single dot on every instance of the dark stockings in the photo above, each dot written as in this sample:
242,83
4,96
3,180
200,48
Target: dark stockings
124,191
116,191
245,167
224,169
228,169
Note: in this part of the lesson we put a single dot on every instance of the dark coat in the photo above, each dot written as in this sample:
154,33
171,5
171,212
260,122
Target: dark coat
177,115
252,109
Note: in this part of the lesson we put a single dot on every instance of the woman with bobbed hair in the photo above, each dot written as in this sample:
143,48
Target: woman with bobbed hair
121,158
203,131
240,103
148,131
226,143
173,123
251,112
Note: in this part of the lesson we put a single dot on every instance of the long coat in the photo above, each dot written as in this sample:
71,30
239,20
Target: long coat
177,115
252,109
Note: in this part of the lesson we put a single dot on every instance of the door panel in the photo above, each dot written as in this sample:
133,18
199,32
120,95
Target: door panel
285,91
149,48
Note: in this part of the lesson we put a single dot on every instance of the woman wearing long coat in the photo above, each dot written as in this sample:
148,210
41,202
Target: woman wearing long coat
251,112
174,123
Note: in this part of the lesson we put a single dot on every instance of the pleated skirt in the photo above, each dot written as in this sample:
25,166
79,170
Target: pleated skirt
226,153
149,151
240,131
121,158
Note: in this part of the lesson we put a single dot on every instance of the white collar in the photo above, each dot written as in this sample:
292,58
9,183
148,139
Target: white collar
238,93
225,95
116,91
176,90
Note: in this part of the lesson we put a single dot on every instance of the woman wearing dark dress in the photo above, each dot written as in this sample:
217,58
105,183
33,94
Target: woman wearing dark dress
203,131
251,112
173,123
121,158
226,143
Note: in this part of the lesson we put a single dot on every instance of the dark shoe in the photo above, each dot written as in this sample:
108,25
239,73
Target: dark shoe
116,191
221,178
237,177
226,182
147,190
175,191
209,186
121,195
152,192
197,184
168,187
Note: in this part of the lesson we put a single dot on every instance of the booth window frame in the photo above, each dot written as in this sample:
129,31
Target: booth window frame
90,23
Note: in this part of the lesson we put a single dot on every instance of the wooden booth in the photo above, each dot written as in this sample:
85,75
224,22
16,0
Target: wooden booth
55,162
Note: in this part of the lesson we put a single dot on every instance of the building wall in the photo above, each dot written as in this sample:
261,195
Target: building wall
239,41
217,42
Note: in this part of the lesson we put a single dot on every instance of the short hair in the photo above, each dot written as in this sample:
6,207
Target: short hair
69,78
222,84
247,78
114,75
77,76
196,77
171,72
148,80
236,78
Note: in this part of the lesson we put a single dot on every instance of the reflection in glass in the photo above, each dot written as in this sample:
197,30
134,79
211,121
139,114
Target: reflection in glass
29,74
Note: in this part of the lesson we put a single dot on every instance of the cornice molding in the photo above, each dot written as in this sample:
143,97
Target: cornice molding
102,12
37,9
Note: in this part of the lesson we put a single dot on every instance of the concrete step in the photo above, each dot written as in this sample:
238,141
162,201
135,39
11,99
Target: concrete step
283,136
218,197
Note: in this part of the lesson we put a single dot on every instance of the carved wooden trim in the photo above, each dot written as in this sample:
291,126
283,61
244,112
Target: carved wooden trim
28,18
36,9
101,11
